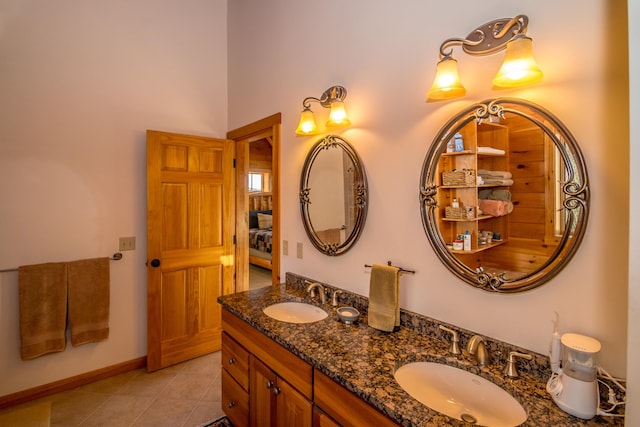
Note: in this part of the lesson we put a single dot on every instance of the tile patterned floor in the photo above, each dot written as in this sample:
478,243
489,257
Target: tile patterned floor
259,277
184,395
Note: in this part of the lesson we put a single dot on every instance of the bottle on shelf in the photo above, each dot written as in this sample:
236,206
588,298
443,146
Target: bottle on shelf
451,147
458,143
466,242
455,203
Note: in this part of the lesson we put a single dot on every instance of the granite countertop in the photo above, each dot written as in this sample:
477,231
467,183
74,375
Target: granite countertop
363,360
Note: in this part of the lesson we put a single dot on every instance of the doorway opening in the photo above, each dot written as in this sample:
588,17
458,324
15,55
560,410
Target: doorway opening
257,203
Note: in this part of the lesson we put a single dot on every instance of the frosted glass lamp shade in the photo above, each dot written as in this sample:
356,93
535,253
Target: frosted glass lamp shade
447,82
519,67
338,116
306,125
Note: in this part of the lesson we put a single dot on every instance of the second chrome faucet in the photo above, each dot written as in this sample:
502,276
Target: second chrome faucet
311,290
477,348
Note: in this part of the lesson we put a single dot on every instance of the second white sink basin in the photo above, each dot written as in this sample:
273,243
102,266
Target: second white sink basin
295,312
460,394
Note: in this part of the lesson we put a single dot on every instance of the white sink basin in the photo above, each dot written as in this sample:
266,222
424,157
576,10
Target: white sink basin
460,394
295,312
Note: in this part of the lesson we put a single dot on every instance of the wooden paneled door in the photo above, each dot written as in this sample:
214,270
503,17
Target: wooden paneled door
190,244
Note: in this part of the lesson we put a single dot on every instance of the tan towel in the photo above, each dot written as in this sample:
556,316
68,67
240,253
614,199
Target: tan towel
88,284
384,304
43,309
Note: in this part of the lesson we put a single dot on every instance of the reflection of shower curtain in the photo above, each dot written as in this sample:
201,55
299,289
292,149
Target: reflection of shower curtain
349,178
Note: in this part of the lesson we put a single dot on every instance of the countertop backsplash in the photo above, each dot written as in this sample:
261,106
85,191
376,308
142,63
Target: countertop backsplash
498,350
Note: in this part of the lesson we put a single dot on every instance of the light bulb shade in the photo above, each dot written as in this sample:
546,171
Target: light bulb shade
306,125
447,82
519,67
338,116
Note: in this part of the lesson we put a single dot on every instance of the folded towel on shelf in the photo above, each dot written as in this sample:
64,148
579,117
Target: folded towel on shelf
43,309
88,283
490,150
495,207
495,194
494,181
494,174
384,298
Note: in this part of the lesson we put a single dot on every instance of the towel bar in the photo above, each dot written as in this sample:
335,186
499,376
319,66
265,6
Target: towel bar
115,257
402,270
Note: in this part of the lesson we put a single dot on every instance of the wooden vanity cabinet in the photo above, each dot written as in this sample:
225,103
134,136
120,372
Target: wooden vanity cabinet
273,402
320,419
279,388
343,407
235,381
280,384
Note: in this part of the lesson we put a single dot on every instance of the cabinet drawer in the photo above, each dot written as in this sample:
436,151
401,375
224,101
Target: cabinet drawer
235,401
235,359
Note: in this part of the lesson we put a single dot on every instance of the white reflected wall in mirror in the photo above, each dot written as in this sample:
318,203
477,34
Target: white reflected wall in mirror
333,195
327,179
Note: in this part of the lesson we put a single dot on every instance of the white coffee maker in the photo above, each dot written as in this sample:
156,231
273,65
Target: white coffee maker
574,387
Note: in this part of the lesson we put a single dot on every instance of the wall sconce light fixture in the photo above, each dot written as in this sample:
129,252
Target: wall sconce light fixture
332,98
518,69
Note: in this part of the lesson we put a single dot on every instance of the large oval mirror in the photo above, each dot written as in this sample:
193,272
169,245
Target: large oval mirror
333,195
504,195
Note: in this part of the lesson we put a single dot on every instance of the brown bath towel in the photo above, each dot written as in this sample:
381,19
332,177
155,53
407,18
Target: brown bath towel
88,285
384,304
43,309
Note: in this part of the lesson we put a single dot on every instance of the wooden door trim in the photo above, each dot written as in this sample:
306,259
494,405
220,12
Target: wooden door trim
242,136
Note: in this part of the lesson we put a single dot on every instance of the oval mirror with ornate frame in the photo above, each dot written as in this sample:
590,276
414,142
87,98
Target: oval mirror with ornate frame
517,182
333,195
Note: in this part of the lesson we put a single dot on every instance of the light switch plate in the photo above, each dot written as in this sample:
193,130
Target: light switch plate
299,250
285,247
127,244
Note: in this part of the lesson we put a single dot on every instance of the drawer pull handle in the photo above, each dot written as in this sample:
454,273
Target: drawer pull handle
232,404
276,391
269,384
232,361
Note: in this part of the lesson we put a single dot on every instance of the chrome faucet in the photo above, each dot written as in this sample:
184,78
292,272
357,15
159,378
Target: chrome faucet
511,369
454,348
311,290
334,297
477,348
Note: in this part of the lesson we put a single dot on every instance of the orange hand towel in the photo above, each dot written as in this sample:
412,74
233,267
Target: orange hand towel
384,304
88,285
43,309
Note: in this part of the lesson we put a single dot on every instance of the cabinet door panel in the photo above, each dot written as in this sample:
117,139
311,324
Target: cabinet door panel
293,409
320,419
262,384
345,407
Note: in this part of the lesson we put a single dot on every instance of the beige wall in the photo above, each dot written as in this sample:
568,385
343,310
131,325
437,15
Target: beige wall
385,54
81,81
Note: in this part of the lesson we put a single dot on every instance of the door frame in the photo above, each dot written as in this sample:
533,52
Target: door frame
268,127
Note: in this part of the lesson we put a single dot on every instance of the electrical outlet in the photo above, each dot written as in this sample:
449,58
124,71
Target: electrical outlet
285,247
299,250
127,244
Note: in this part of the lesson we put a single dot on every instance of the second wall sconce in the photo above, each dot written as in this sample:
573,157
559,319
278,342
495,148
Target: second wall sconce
519,67
332,98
